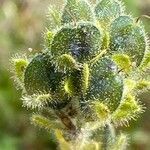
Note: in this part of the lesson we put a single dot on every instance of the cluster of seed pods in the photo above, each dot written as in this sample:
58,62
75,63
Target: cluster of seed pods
86,59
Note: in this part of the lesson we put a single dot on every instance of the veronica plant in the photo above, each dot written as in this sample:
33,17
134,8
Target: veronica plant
86,80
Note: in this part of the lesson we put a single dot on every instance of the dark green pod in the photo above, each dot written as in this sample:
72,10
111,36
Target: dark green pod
127,37
108,10
83,42
105,85
40,76
77,10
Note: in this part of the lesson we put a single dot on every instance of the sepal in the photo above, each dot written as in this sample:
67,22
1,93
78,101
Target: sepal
129,109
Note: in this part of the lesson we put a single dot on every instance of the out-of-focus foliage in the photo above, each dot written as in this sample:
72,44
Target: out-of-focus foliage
21,24
140,130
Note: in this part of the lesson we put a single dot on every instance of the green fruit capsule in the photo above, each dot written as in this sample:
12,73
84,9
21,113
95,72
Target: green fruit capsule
105,84
108,10
128,37
82,42
76,10
42,77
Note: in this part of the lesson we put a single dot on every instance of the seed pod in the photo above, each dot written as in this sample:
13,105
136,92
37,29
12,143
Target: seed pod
108,10
106,85
41,77
82,42
76,10
128,38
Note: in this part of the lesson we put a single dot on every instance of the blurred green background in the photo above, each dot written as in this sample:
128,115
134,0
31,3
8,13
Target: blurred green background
22,23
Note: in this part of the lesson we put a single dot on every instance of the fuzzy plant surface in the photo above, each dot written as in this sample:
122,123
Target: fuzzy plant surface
85,82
